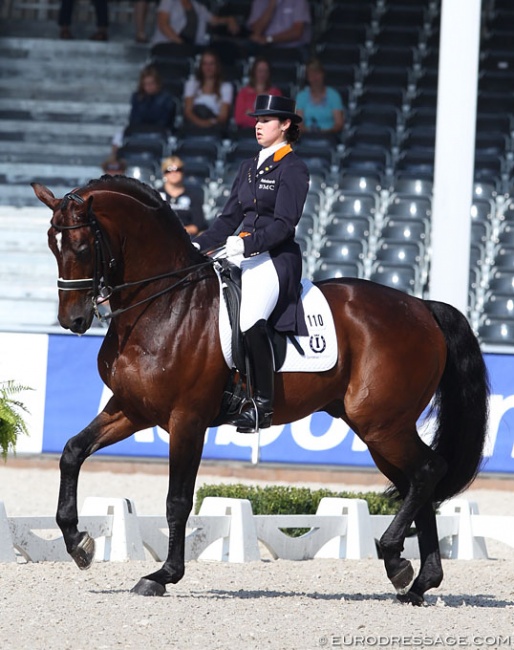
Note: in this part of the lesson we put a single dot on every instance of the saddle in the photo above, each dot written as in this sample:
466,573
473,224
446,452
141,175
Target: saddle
236,390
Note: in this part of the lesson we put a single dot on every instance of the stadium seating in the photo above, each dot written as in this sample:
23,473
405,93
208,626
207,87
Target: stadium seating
371,190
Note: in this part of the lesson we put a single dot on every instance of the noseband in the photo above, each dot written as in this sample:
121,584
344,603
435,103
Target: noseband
104,260
105,263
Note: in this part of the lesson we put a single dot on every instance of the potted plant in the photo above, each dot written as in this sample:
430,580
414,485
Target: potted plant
11,418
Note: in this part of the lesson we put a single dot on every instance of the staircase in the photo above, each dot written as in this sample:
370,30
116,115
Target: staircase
60,104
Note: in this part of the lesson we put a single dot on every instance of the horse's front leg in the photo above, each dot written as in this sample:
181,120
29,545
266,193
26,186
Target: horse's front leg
186,444
110,426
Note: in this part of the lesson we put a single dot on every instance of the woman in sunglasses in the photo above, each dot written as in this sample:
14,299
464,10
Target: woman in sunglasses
184,201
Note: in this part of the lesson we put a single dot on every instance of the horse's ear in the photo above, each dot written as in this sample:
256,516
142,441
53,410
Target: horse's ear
45,195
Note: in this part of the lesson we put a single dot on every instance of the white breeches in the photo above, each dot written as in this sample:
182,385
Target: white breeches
259,288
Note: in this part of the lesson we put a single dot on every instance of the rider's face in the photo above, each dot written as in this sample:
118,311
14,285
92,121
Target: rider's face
270,130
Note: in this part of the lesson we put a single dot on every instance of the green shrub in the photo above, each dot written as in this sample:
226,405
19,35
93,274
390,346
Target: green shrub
286,500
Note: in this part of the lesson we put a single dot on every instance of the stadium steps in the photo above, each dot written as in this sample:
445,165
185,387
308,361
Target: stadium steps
60,104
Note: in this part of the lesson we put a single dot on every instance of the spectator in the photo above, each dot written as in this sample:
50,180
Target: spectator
140,15
259,84
102,20
282,23
320,106
114,167
207,98
186,203
187,21
152,107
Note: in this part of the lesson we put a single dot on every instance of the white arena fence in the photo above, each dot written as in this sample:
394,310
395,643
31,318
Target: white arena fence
226,530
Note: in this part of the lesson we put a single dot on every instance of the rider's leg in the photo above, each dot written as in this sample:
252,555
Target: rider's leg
260,291
260,356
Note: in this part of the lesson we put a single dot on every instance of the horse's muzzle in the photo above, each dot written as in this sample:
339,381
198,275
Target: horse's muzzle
79,325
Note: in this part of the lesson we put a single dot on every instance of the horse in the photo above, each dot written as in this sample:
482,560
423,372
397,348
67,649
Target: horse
161,358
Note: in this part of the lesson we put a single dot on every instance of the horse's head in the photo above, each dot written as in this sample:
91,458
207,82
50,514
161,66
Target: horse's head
113,238
71,239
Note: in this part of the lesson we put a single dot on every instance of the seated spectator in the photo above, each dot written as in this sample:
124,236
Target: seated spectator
185,203
207,98
320,106
102,20
282,23
114,167
259,84
187,21
151,106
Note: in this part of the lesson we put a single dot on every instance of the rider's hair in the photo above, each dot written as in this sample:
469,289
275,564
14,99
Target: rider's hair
292,133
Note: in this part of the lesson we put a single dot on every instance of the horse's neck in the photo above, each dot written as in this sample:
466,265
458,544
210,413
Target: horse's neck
149,242
177,308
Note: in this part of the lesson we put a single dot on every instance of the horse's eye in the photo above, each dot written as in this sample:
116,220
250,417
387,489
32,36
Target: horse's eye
83,250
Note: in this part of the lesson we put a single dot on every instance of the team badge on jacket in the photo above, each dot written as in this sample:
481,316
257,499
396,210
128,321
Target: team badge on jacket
267,184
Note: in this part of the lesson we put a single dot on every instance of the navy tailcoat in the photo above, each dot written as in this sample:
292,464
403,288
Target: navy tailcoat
267,203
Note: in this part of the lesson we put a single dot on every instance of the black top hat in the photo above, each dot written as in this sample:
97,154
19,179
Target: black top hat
275,106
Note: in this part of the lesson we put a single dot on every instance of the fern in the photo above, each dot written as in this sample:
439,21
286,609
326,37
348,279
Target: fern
12,423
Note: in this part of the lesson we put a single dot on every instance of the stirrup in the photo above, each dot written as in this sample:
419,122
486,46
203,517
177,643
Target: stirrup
252,411
255,419
252,419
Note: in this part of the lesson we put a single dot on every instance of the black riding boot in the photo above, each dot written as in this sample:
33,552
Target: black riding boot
260,356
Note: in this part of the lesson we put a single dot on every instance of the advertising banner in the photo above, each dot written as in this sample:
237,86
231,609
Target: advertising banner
75,394
67,393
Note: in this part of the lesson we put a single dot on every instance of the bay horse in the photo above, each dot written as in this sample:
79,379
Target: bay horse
115,237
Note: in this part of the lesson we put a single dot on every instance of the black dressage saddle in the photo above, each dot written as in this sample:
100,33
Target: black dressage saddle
236,390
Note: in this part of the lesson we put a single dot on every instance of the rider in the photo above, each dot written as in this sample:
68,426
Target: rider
264,206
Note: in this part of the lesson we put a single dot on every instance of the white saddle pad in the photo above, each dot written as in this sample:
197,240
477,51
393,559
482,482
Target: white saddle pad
320,346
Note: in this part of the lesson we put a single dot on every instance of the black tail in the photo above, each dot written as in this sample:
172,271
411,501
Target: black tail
461,402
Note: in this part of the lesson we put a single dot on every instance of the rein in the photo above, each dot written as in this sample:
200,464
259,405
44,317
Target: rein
188,270
99,282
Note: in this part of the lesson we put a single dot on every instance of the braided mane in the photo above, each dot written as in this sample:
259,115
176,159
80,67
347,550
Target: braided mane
124,184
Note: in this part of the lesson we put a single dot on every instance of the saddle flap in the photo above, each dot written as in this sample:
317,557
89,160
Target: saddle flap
316,352
230,275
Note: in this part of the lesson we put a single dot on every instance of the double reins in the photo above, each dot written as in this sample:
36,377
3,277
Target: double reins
104,263
188,270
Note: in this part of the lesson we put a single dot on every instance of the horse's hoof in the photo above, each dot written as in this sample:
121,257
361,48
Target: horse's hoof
403,579
85,552
411,598
147,587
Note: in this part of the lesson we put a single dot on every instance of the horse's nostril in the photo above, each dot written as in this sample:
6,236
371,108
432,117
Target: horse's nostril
79,326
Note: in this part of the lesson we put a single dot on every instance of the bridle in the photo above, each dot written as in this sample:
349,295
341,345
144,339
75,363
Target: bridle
104,260
105,263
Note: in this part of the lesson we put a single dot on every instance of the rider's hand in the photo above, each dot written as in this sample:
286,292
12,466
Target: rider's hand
234,246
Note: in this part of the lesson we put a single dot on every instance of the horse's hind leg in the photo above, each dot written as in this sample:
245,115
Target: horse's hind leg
422,471
108,427
431,570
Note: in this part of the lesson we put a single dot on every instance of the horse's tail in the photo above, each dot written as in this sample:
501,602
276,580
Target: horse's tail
461,402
